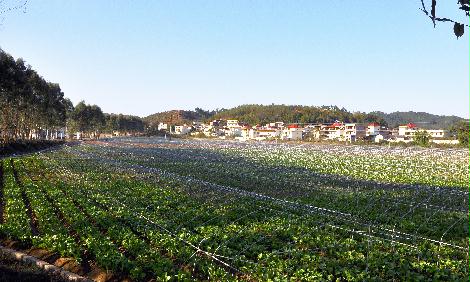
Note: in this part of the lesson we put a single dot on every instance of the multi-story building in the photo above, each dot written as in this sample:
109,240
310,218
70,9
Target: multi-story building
354,131
182,129
292,132
311,132
162,126
407,130
332,132
373,129
264,133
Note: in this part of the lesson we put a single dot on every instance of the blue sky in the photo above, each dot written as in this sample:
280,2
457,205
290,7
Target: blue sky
141,57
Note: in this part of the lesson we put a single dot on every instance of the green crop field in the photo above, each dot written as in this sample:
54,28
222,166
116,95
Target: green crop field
148,208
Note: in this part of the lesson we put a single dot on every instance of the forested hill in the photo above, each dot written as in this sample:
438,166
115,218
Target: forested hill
261,114
422,119
178,116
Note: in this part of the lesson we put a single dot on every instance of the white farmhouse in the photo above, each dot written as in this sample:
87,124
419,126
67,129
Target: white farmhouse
354,131
213,131
407,130
182,129
437,133
162,126
312,132
332,132
373,129
292,132
378,138
264,133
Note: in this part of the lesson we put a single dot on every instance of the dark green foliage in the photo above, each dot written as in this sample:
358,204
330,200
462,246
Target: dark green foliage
28,103
261,114
19,147
88,119
421,119
163,213
123,123
421,138
179,116
461,130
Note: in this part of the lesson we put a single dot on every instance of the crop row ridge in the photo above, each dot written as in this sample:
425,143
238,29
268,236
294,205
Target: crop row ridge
33,222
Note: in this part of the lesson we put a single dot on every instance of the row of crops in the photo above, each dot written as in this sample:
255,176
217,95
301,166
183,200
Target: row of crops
194,210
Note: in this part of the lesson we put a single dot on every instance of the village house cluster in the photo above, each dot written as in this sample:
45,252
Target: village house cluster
337,131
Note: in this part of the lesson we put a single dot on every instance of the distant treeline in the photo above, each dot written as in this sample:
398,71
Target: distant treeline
91,121
180,116
422,119
261,114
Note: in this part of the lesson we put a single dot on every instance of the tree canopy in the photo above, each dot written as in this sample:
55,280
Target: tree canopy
421,138
123,123
28,103
261,114
88,119
422,119
462,132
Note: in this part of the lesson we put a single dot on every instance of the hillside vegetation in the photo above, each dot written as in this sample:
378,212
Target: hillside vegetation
422,119
261,114
178,116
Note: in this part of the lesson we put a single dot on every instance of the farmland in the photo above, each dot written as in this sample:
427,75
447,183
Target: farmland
148,208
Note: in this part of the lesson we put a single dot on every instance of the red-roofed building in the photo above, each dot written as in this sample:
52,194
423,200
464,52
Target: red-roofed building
292,132
332,132
337,124
406,132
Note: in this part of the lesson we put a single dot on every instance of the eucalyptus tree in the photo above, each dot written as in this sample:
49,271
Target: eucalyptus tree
123,123
87,119
30,106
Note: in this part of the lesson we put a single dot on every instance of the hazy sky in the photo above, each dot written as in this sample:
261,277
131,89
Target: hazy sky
141,57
